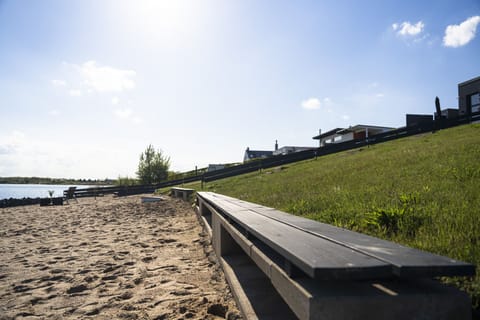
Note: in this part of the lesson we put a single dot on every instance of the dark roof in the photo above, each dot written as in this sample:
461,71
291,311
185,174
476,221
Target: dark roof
328,133
254,154
468,81
363,126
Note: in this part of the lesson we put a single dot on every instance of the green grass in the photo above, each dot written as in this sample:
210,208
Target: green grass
421,191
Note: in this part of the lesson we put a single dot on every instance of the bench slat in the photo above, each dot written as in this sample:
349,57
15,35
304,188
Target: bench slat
317,257
406,262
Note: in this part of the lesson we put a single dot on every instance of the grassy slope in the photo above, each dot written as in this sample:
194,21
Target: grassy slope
421,191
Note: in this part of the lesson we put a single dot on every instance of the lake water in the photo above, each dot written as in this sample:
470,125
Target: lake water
19,191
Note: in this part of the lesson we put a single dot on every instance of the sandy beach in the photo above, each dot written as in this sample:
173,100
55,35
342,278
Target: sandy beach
109,258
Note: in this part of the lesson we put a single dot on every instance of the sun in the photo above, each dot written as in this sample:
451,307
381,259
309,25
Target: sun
160,19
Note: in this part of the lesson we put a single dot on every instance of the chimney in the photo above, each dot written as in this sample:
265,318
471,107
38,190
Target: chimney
320,139
276,145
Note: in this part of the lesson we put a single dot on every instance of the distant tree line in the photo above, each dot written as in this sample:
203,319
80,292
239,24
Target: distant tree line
63,181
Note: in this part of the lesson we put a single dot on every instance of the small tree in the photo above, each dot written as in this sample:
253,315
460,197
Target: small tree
153,166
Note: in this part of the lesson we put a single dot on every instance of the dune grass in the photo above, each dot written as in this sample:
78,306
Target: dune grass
421,191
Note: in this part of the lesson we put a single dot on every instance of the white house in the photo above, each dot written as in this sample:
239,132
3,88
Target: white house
290,149
359,131
261,154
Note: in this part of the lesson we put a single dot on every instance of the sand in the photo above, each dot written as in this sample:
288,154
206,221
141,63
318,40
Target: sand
109,258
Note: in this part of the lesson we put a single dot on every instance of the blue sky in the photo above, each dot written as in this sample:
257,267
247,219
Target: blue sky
86,86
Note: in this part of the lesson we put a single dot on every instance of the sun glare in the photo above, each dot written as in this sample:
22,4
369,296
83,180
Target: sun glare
160,19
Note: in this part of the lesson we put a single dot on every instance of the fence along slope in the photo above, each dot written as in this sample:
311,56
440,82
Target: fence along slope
288,158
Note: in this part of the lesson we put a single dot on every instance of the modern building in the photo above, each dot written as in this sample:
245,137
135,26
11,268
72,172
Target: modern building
256,154
469,96
215,167
359,131
290,149
449,113
418,119
331,136
261,154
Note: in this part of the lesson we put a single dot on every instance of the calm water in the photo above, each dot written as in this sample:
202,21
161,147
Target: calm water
32,190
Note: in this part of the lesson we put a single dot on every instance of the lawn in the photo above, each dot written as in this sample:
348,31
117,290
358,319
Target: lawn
421,191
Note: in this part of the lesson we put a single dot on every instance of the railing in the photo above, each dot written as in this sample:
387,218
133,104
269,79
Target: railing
266,163
279,160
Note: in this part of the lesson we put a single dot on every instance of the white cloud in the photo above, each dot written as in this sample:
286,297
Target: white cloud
461,34
105,78
11,143
75,93
24,154
326,104
124,113
127,114
137,120
115,101
54,112
315,103
408,29
59,83
311,104
6,149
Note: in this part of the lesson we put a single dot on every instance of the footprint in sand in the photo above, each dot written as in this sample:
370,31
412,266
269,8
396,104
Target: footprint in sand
21,288
168,240
57,271
28,281
90,279
84,271
148,259
109,278
111,268
125,296
36,300
143,245
77,289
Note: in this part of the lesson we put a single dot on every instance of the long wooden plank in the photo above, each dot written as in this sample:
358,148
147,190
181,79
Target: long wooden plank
407,262
317,257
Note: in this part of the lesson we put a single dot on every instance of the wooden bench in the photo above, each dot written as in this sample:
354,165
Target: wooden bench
325,272
183,193
70,194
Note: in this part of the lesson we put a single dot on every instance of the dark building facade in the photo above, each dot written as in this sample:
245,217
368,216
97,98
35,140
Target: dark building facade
418,119
469,96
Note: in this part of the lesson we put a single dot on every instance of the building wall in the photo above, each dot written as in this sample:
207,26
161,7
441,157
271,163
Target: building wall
360,135
329,139
214,167
465,92
418,119
346,137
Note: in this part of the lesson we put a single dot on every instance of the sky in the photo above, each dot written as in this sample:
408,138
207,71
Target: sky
87,85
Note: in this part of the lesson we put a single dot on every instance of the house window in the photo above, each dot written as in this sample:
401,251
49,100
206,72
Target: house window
475,102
